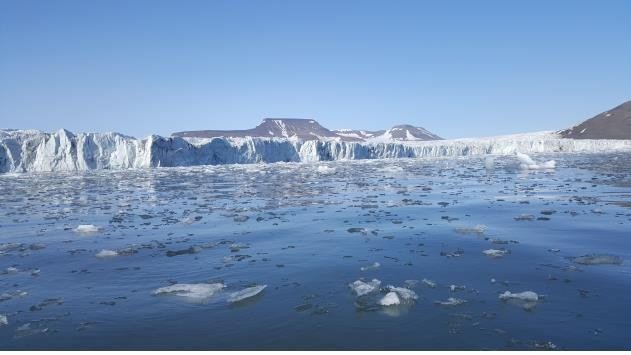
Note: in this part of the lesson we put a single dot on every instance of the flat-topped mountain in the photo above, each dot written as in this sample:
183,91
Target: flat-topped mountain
612,124
308,129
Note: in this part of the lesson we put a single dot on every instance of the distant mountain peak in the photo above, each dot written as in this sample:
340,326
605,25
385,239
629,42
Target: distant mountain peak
310,129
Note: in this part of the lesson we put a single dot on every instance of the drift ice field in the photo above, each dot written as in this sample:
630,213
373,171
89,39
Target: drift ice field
475,252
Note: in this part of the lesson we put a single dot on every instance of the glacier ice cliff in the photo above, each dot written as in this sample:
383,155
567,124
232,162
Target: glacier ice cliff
32,151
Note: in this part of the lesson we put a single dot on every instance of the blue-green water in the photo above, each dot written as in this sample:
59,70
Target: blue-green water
287,226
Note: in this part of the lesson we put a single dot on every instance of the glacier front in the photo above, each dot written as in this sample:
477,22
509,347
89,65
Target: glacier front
34,151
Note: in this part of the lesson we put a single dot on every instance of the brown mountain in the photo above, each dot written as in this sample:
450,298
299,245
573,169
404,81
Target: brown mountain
612,124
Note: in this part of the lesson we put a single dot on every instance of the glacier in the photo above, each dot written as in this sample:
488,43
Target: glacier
36,151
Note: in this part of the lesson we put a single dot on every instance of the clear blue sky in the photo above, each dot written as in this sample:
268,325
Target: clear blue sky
458,68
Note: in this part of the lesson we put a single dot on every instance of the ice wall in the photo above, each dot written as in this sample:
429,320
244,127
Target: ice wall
24,151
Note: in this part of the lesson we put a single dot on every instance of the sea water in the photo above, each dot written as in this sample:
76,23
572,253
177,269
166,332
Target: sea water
467,253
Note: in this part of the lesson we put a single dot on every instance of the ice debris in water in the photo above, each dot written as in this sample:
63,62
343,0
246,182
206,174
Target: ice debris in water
246,293
598,259
374,266
87,229
106,253
11,270
193,291
323,169
3,320
495,253
390,299
528,296
406,294
429,283
451,301
478,229
489,162
362,288
526,163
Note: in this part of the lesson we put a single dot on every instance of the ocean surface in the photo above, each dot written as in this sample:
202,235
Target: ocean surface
316,256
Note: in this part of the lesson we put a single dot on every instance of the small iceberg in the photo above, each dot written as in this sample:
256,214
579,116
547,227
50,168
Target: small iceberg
405,293
192,291
106,254
526,163
451,302
372,267
528,296
478,229
527,299
325,170
87,229
390,299
246,293
363,288
429,283
495,253
598,259
3,320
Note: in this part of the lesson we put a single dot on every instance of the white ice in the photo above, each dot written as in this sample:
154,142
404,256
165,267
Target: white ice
86,229
526,163
192,291
246,293
406,294
390,299
495,253
528,296
106,253
362,288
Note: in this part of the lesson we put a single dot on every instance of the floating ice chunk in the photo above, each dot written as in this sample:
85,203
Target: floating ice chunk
489,163
527,296
454,288
429,283
526,163
362,288
406,294
87,229
374,266
246,293
106,253
598,259
187,220
495,253
3,320
390,299
451,301
524,217
326,170
478,229
11,270
192,291
391,169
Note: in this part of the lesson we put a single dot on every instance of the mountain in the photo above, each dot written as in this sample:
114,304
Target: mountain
612,124
308,129
304,129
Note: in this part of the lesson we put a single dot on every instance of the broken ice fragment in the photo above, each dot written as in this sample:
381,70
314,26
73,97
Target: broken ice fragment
3,320
526,163
390,299
495,253
246,293
192,291
106,254
87,229
598,259
362,288
451,301
478,229
406,294
528,296
429,283
374,266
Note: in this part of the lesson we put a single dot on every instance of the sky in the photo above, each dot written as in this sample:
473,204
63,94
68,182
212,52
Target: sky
457,68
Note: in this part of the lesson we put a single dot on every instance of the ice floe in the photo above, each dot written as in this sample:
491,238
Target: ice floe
106,253
495,253
598,259
362,288
372,267
193,291
390,299
526,163
246,293
87,229
451,301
